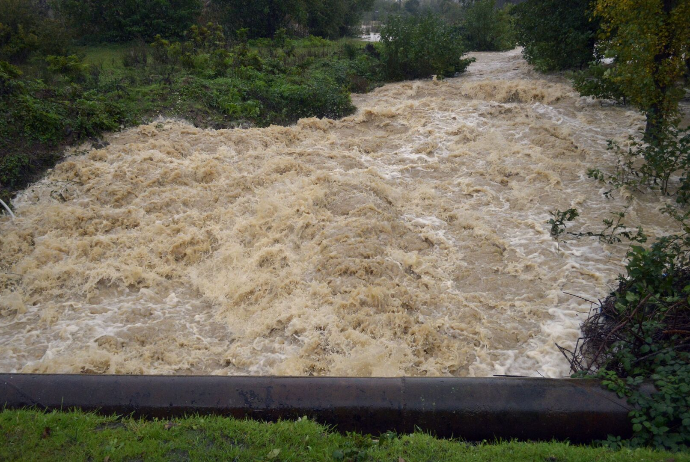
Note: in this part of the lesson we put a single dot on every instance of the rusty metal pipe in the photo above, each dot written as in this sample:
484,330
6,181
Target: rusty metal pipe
470,408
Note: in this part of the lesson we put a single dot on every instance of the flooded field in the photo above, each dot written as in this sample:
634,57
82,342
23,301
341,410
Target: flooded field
407,239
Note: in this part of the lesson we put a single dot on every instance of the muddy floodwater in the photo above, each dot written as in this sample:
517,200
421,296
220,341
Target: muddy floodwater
408,239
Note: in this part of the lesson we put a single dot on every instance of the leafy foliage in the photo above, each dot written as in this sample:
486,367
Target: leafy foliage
556,35
421,46
641,332
614,230
486,27
660,164
650,41
124,20
596,81
26,29
263,18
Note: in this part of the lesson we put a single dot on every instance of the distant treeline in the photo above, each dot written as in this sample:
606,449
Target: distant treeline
125,20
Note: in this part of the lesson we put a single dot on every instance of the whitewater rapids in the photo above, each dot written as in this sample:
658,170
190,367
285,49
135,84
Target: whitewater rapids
408,239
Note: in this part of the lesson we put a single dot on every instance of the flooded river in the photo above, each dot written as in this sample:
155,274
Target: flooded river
407,239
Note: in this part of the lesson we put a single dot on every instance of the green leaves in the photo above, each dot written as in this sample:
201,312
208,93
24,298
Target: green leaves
650,43
421,46
124,20
554,34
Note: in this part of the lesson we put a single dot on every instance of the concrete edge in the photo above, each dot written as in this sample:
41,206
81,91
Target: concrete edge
473,409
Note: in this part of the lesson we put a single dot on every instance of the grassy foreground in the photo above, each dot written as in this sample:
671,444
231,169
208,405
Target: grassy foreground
34,435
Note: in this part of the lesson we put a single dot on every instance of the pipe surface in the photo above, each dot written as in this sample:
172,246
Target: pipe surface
474,409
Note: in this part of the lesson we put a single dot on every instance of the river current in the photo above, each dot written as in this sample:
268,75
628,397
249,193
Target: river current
408,239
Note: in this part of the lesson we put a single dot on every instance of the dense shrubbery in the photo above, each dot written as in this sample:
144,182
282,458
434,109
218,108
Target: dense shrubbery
27,29
124,20
421,46
487,28
556,35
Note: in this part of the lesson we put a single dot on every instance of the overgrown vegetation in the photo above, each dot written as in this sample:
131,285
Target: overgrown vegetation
26,29
486,27
420,46
481,24
556,35
125,20
650,43
640,332
34,435
263,18
646,45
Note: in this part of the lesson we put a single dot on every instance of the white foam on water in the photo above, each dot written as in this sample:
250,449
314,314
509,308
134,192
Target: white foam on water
408,239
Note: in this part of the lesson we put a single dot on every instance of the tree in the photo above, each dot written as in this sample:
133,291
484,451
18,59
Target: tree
263,18
412,6
650,40
421,46
123,20
485,27
556,34
26,28
335,18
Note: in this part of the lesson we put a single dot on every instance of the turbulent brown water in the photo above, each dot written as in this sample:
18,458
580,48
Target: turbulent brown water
408,239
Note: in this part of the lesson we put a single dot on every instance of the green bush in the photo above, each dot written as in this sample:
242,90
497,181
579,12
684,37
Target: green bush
26,28
660,164
641,335
125,20
10,79
487,28
71,67
263,18
596,81
556,34
419,47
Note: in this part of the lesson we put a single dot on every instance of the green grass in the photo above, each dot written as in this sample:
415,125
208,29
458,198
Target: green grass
107,55
33,435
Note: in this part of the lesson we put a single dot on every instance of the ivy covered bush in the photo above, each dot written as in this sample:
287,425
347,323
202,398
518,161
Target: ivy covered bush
555,34
421,46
